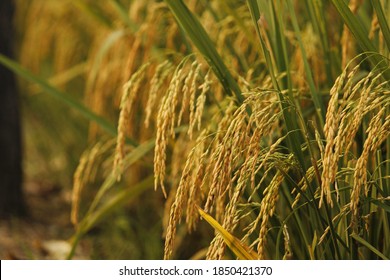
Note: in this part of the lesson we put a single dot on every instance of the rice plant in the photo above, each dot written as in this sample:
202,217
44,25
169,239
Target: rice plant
269,122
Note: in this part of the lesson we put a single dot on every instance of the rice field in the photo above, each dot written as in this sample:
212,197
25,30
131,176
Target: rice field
194,129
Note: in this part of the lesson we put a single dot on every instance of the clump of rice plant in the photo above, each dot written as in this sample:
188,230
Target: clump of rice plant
269,122
277,172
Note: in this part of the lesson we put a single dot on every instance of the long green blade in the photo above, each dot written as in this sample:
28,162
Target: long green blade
368,246
360,32
198,35
357,28
239,249
383,21
319,105
87,113
289,114
116,201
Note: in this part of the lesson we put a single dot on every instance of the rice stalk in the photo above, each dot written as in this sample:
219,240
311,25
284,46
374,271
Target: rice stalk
267,210
77,189
191,91
187,195
376,131
130,90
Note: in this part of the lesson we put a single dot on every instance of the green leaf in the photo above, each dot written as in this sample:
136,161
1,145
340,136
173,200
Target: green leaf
380,204
129,159
368,245
383,23
357,28
114,202
63,97
239,249
96,213
360,32
289,113
194,29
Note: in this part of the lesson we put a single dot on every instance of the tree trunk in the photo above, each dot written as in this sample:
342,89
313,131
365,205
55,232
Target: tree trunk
11,195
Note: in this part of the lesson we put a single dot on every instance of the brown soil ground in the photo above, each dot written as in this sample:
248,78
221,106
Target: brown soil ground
46,231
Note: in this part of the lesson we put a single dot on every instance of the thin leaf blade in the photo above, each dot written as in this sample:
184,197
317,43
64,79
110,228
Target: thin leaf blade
239,249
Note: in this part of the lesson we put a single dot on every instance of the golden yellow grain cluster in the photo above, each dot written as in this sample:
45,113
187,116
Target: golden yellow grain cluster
222,163
130,90
352,102
86,172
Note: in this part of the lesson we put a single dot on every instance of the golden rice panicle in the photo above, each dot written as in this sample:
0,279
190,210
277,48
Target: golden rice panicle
130,90
85,172
352,126
350,102
334,117
157,81
240,142
196,191
192,104
330,129
376,131
211,158
287,244
216,249
225,121
165,125
267,209
78,185
230,218
188,82
200,102
186,194
225,157
264,117
371,97
176,213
